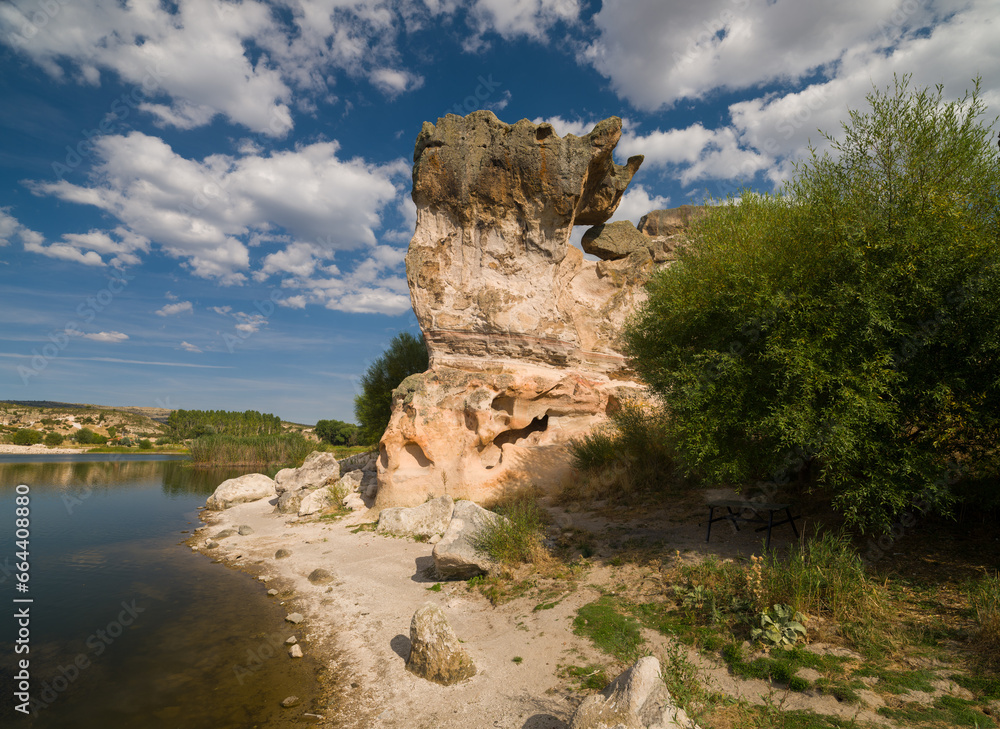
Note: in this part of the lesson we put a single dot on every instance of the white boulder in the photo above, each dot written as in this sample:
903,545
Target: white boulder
430,518
250,487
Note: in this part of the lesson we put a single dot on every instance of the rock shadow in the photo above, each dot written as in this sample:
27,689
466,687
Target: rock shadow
401,646
544,721
425,570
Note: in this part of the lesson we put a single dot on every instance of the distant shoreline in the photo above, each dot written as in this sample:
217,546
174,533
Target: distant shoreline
11,449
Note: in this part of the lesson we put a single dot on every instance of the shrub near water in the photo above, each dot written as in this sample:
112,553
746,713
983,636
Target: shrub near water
262,450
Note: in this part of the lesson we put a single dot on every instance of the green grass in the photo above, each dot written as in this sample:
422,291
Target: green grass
587,678
259,450
984,687
946,710
609,630
899,682
516,538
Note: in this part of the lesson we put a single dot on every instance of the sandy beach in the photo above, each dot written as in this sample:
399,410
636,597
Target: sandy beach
358,624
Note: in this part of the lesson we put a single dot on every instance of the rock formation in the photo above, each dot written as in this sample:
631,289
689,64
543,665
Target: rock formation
521,329
250,487
435,651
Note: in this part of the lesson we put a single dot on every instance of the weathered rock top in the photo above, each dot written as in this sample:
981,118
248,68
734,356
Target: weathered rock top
477,165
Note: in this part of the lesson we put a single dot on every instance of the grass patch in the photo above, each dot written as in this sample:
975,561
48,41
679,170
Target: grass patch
369,526
517,659
258,450
609,630
899,682
436,587
984,602
984,687
516,538
586,678
947,710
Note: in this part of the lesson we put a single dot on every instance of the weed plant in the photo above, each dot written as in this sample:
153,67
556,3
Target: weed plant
517,537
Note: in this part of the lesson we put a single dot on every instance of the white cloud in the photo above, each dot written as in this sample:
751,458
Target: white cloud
223,310
249,323
531,18
209,212
187,346
9,225
636,202
181,307
112,337
393,81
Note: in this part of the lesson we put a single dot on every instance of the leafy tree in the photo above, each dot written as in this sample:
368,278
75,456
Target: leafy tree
145,444
112,431
337,432
26,436
84,436
847,328
405,356
53,439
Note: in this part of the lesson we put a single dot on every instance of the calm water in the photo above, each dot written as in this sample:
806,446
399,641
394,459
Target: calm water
129,627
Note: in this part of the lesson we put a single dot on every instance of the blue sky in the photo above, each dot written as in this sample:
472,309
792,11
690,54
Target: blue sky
205,204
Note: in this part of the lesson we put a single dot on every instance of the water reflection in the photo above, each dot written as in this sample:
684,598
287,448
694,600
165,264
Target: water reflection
162,631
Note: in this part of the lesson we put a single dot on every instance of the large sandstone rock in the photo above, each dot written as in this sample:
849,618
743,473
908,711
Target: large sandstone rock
670,221
238,490
521,330
426,520
637,699
314,472
435,652
611,241
317,500
456,556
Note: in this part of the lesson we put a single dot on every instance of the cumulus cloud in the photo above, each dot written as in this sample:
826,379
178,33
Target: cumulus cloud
188,347
636,202
209,212
181,307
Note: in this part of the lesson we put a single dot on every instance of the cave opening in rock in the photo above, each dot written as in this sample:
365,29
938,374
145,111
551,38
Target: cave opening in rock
538,425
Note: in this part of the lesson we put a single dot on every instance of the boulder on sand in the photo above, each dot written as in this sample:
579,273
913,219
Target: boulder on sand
430,518
455,556
435,652
314,471
316,500
250,487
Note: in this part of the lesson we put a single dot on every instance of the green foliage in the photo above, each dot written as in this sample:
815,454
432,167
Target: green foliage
337,432
197,423
405,356
54,439
85,436
145,444
609,630
628,456
780,625
846,330
112,431
26,436
516,537
592,678
261,451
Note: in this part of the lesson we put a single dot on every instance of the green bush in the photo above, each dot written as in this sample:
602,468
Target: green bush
26,436
405,356
337,432
145,443
54,439
848,329
84,436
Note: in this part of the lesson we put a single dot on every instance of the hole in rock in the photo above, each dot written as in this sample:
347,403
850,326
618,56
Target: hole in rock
613,406
412,456
538,425
503,404
383,457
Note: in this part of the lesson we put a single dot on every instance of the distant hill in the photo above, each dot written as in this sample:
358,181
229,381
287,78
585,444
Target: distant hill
160,415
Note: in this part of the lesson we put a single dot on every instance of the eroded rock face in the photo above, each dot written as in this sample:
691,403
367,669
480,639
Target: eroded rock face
521,329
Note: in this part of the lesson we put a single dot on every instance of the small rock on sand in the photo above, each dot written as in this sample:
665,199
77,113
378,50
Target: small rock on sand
245,530
282,553
272,592
295,618
290,702
295,651
320,576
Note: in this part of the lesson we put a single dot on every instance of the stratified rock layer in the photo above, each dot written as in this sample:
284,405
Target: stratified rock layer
521,329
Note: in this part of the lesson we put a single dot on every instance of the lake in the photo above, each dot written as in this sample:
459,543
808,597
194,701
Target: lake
128,626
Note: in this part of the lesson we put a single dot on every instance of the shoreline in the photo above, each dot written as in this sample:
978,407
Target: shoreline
9,449
358,625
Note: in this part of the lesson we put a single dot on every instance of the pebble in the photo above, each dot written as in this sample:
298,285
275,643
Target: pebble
245,530
295,651
225,533
211,545
282,553
295,618
320,576
292,640
272,592
290,702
